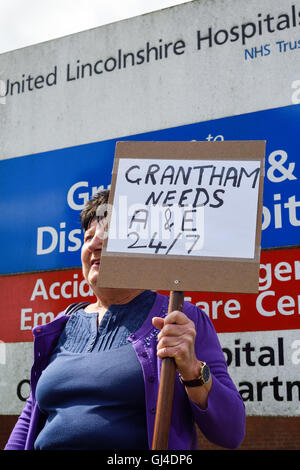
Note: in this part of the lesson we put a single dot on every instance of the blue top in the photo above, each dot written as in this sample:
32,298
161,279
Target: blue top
95,376
222,422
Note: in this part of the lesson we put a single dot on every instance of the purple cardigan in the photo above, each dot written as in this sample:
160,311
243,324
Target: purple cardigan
223,422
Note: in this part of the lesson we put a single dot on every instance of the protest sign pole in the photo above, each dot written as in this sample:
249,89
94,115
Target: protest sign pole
166,387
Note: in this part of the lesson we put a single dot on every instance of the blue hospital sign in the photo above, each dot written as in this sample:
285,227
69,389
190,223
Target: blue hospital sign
40,227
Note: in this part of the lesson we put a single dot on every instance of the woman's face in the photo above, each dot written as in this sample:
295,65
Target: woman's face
91,250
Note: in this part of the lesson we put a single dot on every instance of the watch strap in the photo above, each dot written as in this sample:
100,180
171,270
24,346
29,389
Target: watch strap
194,382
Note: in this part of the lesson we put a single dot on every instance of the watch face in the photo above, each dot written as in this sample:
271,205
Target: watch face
205,373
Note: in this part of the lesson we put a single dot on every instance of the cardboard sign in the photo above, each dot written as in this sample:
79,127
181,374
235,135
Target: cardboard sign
185,216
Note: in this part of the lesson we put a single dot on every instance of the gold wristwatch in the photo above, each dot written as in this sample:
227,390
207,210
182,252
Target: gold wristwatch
201,380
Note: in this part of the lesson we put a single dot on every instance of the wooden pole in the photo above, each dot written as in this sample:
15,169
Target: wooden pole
166,387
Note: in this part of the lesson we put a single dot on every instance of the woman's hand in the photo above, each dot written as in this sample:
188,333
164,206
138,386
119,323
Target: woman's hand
177,340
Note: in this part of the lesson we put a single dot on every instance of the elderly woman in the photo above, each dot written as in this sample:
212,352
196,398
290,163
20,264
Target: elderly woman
95,377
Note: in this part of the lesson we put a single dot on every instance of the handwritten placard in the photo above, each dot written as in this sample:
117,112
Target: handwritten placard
179,208
185,208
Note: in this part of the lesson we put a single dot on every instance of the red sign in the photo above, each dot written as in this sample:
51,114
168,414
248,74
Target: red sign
28,300
275,307
32,299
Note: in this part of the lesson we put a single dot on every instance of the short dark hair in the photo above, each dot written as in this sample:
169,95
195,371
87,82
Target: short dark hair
89,211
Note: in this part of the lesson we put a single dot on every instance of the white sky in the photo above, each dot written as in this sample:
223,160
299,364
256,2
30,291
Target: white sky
27,22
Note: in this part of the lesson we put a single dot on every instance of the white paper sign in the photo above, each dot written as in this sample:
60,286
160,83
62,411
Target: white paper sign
185,208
